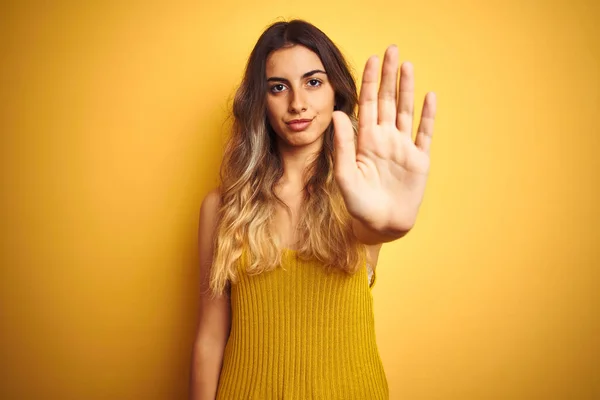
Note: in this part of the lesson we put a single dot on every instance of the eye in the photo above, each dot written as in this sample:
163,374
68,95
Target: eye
314,83
277,88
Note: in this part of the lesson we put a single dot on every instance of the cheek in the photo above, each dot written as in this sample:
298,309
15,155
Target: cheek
271,115
325,110
274,110
326,103
274,116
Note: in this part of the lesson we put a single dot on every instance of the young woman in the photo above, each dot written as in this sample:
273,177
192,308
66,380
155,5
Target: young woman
289,241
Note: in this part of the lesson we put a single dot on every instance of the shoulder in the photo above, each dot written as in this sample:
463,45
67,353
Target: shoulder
209,211
211,202
212,198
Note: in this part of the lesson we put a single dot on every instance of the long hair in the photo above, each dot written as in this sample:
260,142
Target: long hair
252,166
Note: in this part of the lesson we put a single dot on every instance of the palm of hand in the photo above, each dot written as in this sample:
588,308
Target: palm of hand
382,179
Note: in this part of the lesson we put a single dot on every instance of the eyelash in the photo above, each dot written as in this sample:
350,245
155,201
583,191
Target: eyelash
319,83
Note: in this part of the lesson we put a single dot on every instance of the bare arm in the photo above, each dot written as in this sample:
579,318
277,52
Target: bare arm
215,314
371,237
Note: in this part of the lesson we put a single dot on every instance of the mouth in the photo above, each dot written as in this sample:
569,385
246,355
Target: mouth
298,125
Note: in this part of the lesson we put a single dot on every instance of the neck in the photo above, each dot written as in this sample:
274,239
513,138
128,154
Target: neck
295,161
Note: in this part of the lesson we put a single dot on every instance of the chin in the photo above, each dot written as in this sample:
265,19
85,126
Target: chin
301,139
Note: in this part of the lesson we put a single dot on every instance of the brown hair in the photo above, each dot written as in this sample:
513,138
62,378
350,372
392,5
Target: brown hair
252,166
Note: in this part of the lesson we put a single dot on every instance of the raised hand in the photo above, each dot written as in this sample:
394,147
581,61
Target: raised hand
383,177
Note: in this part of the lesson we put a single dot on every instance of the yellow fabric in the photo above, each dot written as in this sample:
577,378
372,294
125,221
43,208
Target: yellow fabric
300,333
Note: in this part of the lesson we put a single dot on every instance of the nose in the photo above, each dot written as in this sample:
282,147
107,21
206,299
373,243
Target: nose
297,102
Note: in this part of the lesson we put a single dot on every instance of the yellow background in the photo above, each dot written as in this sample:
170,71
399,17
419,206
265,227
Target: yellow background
112,123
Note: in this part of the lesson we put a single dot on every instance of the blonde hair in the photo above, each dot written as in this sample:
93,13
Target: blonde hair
252,167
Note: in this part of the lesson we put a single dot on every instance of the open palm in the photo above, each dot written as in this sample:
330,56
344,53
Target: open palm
382,178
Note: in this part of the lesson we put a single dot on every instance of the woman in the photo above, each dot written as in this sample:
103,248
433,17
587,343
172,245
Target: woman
289,241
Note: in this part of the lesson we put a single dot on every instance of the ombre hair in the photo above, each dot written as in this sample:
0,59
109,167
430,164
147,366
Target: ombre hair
252,166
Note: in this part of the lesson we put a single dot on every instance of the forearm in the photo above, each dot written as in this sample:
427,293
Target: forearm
369,236
205,372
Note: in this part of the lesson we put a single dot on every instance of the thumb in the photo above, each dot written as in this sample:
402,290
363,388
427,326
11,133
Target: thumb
344,154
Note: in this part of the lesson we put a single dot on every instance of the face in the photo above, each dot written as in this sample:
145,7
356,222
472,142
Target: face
300,99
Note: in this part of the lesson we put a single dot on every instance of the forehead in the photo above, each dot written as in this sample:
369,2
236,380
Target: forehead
292,62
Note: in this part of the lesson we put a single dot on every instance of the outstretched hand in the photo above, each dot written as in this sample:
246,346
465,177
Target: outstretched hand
382,179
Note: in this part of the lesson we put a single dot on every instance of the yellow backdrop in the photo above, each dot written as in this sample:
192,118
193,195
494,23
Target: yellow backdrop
112,123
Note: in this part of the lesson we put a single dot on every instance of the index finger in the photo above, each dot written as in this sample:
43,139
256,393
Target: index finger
367,101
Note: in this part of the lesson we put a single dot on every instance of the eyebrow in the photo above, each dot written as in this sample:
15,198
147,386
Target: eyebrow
306,75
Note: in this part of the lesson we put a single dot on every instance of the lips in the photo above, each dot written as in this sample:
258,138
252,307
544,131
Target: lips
298,125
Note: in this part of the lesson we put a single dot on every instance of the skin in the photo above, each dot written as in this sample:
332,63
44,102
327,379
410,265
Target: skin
383,178
296,92
292,95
